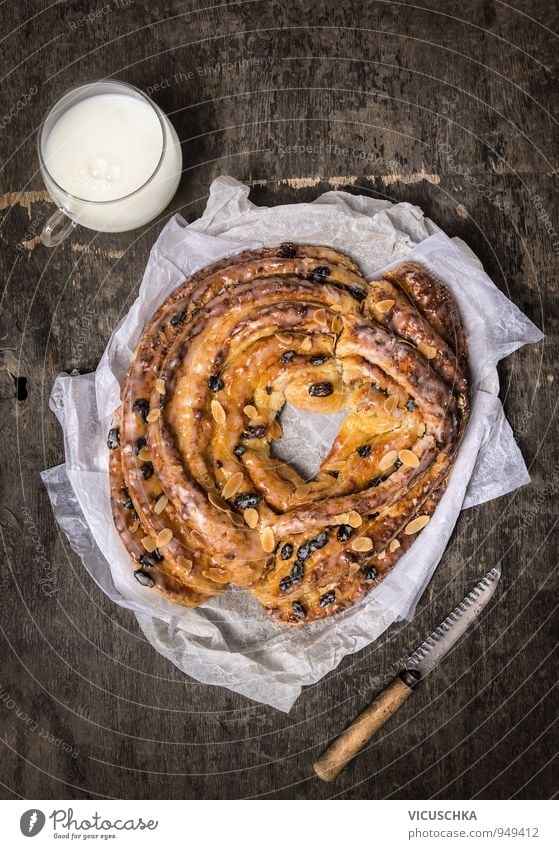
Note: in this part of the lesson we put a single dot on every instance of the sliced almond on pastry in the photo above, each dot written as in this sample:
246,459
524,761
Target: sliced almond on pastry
416,525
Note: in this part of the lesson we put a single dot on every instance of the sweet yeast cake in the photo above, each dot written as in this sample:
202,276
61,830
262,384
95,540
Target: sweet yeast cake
198,497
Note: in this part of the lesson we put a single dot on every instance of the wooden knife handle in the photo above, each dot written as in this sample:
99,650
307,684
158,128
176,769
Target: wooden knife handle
350,741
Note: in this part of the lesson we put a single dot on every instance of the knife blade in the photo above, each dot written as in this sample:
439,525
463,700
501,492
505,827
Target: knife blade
418,664
440,641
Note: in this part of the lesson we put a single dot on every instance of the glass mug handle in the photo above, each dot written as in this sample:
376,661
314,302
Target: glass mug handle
52,235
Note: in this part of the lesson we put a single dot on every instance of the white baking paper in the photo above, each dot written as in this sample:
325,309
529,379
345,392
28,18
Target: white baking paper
230,641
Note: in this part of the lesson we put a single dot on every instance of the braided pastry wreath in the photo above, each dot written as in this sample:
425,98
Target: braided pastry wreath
198,497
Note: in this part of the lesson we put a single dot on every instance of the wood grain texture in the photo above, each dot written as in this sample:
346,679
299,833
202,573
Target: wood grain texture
362,729
446,106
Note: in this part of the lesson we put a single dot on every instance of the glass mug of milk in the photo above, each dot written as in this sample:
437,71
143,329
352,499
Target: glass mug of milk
109,157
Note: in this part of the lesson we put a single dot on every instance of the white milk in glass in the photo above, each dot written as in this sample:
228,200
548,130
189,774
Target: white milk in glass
114,162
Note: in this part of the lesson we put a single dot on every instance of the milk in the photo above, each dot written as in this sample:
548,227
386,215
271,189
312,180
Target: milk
113,161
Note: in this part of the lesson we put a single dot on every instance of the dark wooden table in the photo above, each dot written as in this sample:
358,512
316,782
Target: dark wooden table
448,106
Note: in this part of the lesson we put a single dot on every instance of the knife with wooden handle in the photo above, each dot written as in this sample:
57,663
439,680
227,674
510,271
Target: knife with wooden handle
420,662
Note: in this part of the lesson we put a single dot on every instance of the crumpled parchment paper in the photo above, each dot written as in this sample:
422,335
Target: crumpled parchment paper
230,641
